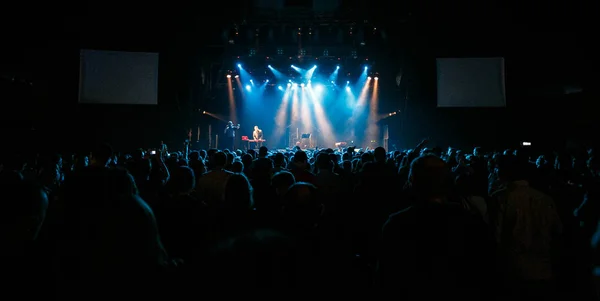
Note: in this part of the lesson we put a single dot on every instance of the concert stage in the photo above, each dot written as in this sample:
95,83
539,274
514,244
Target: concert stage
305,94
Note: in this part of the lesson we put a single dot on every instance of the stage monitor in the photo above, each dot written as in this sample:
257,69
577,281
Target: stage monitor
470,82
118,77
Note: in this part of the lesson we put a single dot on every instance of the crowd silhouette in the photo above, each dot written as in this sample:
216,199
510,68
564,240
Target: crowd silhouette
419,223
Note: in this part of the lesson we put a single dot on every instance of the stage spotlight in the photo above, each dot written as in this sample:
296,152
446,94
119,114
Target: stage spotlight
267,81
347,82
239,65
366,68
319,89
376,78
315,67
292,66
228,76
348,89
280,88
369,78
269,67
289,84
237,76
302,85
248,87
203,112
337,67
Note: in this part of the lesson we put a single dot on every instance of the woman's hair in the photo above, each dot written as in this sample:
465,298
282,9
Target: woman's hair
238,193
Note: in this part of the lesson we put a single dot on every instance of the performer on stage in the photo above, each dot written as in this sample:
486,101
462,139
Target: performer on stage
257,135
230,135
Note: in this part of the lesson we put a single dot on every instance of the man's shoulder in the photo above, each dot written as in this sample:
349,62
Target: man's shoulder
537,194
400,216
216,173
500,192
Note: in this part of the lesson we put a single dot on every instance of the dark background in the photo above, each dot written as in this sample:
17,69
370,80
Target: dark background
542,45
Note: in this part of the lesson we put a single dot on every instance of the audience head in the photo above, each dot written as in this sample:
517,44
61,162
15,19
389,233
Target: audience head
237,167
101,155
302,206
183,180
429,178
81,162
347,165
380,155
238,194
220,160
366,157
138,154
229,158
194,156
263,151
511,168
324,162
300,157
247,159
24,207
282,181
120,184
279,159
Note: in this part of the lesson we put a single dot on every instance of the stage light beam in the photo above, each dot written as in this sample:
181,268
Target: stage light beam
372,132
281,118
231,98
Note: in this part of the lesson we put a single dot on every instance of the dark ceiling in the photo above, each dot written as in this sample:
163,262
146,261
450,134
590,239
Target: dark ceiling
161,23
552,31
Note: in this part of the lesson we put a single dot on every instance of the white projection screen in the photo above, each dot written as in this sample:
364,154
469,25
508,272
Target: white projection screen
118,77
470,82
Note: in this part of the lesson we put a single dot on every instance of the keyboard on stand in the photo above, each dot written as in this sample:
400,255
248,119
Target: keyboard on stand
259,141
